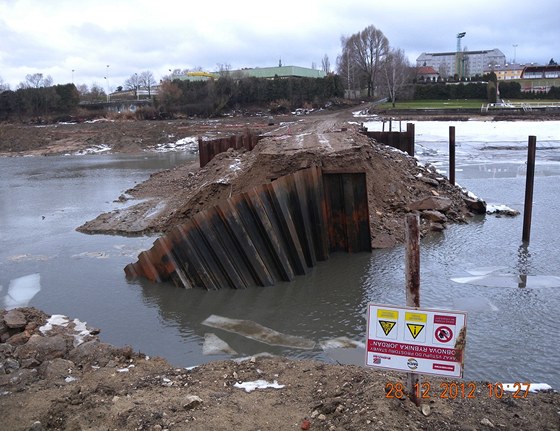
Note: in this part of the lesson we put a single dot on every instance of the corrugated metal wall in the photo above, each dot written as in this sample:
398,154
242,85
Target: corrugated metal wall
271,233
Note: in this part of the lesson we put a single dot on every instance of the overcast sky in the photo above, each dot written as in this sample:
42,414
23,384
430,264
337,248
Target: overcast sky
117,38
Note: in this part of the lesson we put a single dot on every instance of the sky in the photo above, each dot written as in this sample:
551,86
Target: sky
107,41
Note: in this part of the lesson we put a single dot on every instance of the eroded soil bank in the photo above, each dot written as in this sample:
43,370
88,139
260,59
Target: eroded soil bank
396,183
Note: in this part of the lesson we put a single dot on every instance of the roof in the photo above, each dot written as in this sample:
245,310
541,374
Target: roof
281,72
427,70
258,72
443,54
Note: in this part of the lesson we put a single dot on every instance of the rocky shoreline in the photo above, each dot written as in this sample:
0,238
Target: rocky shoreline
55,374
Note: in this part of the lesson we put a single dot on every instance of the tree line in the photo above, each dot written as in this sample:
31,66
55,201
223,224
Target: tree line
228,93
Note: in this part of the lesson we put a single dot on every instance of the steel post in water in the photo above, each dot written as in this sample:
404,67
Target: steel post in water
528,209
412,236
452,154
410,139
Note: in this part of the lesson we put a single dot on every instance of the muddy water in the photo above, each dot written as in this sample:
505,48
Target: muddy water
512,330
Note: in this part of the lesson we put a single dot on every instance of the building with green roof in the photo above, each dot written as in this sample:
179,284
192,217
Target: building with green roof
259,72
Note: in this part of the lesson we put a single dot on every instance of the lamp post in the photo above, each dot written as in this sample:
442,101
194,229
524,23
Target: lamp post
108,88
136,84
72,76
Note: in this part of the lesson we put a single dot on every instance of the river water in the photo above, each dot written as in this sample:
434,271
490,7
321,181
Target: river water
513,330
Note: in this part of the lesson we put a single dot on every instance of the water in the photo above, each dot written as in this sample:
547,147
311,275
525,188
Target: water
512,331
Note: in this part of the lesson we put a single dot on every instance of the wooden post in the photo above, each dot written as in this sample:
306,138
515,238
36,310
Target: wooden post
412,236
452,154
528,209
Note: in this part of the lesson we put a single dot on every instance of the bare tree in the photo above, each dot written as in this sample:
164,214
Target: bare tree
147,80
347,70
82,89
36,80
366,51
397,71
132,83
326,64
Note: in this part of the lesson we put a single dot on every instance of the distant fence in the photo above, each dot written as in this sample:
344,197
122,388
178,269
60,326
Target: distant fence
208,149
272,233
403,141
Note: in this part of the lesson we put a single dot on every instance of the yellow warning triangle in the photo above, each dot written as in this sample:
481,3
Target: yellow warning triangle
414,329
387,325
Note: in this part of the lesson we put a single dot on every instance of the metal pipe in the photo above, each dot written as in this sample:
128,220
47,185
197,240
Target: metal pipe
452,154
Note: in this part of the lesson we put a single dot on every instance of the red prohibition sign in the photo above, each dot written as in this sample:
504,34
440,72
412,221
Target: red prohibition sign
444,334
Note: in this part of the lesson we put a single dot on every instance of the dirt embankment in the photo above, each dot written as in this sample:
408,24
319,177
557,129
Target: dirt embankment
396,183
55,374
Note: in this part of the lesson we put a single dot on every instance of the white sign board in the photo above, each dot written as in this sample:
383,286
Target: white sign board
416,340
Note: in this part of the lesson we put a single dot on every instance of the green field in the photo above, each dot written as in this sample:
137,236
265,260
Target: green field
457,104
436,104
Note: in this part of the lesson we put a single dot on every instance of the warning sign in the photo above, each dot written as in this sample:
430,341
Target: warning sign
387,325
414,329
415,340
387,320
415,323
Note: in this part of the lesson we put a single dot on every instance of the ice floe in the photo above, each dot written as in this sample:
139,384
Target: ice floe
214,345
340,343
509,280
254,331
21,290
501,209
29,257
91,254
474,303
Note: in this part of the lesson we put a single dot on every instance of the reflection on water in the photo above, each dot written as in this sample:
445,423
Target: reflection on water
510,329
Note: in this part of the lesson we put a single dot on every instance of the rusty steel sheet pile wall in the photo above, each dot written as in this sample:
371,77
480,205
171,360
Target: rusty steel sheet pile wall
208,149
272,233
403,141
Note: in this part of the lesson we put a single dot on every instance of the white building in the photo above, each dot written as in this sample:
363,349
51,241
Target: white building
471,63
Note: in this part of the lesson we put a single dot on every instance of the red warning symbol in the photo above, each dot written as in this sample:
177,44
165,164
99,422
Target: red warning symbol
444,334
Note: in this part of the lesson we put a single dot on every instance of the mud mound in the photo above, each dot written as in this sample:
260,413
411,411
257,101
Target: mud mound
395,181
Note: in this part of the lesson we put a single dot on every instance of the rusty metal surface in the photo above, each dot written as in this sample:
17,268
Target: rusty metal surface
269,234
404,141
208,149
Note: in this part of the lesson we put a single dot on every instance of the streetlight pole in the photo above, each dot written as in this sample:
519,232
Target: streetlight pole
108,87
136,83
72,76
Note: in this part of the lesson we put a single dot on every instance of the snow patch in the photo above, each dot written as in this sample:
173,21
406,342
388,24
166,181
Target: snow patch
96,149
80,328
258,384
188,144
522,387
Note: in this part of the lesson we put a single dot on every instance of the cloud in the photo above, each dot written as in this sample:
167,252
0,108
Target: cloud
56,37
